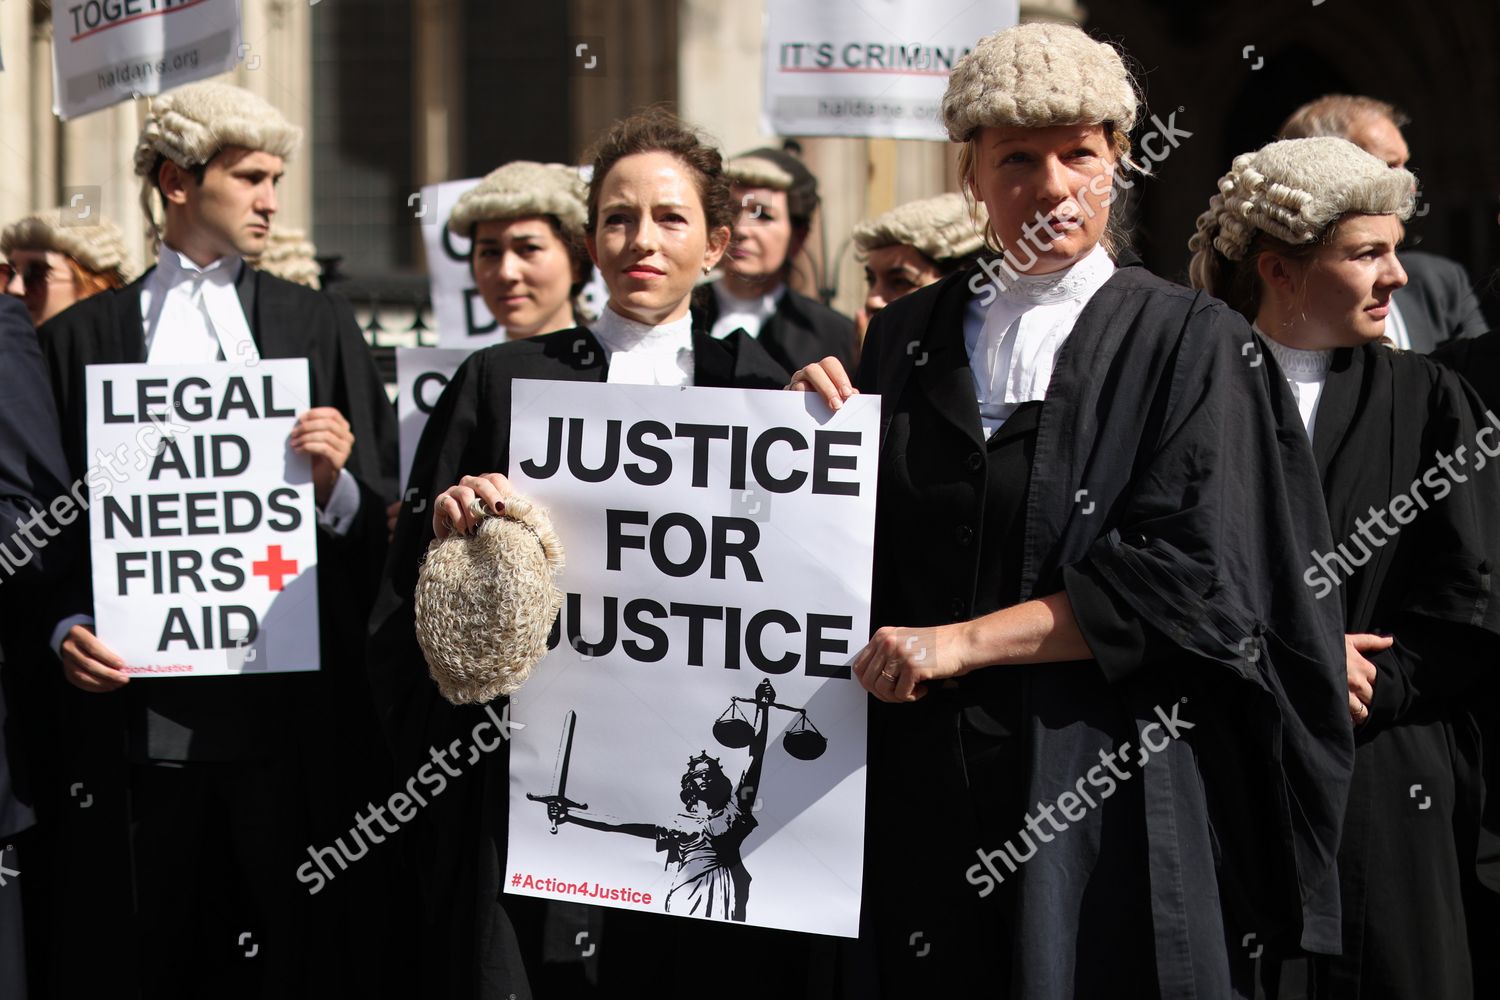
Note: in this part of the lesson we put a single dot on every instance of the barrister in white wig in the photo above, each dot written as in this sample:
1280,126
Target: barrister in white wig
525,224
776,198
1437,306
53,259
914,245
227,779
1301,239
1110,737
659,217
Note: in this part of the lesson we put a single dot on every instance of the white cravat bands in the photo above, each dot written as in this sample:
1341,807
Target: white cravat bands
743,314
645,355
1305,372
1013,342
192,315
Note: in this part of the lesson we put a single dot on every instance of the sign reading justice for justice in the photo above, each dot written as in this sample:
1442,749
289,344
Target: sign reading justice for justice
694,743
204,539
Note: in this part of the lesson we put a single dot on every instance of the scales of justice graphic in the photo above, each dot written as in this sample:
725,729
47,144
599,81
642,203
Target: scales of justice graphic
702,841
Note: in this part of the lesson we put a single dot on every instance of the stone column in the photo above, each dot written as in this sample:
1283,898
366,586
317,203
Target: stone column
17,169
276,64
95,164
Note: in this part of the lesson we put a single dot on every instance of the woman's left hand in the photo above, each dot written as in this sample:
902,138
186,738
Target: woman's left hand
897,663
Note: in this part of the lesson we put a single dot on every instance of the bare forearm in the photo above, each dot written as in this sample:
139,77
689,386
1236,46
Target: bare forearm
1037,631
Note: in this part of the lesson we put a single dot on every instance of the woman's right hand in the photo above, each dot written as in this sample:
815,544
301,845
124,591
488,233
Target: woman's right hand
451,513
1362,672
828,379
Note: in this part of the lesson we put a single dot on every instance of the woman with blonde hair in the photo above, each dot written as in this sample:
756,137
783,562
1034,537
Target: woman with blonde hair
53,261
1110,743
1301,240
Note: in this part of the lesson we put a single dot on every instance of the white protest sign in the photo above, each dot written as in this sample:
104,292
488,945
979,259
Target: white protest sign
461,317
695,730
203,527
421,375
874,68
107,51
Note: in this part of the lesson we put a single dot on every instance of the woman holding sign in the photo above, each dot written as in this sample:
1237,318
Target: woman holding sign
1100,674
659,213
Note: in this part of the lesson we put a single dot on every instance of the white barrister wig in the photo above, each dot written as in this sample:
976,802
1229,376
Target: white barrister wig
191,124
942,228
99,247
1294,190
758,172
485,602
1038,75
520,189
291,255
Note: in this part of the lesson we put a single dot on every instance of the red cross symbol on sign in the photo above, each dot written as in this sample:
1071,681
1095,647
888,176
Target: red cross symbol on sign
273,568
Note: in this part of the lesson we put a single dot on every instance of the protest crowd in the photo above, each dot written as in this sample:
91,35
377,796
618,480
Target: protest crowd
1063,655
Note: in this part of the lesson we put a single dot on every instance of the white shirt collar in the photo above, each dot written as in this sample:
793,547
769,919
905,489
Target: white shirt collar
640,354
749,315
1305,372
1295,361
1074,283
1014,340
174,267
192,314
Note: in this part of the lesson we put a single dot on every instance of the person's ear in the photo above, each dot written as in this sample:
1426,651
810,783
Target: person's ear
173,181
718,242
1276,274
588,241
800,231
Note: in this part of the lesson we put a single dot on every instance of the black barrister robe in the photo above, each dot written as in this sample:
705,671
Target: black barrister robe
1173,496
317,730
476,941
1407,861
802,331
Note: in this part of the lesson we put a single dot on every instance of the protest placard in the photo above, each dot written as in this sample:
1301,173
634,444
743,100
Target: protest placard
107,51
203,533
861,68
694,742
421,375
462,320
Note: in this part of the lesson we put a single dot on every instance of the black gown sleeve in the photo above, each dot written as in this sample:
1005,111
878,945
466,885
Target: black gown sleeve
1221,510
32,467
1429,665
1446,624
461,425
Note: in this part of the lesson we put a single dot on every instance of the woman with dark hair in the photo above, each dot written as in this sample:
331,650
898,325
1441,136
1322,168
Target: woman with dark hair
1302,240
659,213
525,224
1098,673
775,196
914,245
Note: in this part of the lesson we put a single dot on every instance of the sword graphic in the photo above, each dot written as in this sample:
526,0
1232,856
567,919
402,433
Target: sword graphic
558,802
